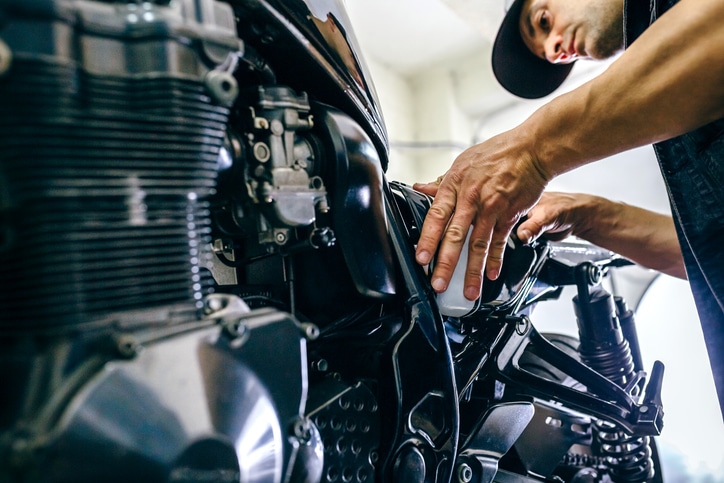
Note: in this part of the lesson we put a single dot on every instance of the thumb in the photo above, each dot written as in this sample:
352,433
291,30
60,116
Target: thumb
428,188
529,230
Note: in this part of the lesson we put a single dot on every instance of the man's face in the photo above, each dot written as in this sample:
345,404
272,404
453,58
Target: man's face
562,31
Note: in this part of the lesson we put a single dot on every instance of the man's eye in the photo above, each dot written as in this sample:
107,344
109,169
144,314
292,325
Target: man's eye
544,22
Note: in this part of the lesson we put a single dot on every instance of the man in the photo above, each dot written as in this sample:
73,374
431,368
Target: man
666,88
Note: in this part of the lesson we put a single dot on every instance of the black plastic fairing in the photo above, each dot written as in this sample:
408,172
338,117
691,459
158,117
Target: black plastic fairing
358,206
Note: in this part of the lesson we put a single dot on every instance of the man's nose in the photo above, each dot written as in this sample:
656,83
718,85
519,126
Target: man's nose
554,49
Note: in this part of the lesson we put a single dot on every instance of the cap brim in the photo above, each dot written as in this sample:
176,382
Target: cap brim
517,69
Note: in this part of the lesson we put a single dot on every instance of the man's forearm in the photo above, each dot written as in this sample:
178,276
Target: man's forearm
646,237
665,84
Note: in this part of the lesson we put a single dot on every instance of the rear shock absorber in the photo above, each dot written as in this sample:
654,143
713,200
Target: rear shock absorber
605,349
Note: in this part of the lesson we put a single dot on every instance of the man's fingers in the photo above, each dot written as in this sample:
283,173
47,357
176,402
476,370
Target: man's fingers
433,227
494,262
529,230
549,217
429,189
477,253
449,253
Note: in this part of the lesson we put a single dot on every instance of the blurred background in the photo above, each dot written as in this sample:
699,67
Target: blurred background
430,63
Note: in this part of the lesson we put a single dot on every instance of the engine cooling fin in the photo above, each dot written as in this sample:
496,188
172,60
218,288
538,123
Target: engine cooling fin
102,182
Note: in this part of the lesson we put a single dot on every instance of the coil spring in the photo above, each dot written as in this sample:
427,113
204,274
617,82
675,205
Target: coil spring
628,458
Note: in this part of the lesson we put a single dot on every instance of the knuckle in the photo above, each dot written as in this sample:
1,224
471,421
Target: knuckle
439,211
444,266
456,176
479,245
474,274
456,234
495,258
498,245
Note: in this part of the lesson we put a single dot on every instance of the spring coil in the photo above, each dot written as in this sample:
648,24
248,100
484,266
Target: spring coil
628,458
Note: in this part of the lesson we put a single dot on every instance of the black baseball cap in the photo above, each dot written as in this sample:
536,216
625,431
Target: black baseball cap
519,70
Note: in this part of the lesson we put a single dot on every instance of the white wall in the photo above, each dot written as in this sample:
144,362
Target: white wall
428,114
434,114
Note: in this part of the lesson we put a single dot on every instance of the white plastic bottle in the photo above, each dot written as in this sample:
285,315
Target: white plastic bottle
452,302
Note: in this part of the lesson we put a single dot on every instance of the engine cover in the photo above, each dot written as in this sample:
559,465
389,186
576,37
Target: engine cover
204,405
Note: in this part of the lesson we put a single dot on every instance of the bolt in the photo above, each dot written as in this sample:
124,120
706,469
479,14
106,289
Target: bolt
311,331
465,473
213,304
235,329
322,237
222,87
128,347
323,206
321,365
302,429
522,326
595,274
261,123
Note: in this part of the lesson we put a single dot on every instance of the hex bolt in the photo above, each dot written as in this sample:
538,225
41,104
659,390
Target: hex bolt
321,365
465,473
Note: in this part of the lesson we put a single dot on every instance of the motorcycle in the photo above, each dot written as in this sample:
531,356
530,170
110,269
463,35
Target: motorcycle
207,276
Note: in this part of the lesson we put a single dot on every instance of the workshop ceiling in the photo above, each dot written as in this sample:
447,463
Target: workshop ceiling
409,35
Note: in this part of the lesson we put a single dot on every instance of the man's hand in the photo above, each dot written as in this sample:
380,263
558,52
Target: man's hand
646,237
489,186
558,216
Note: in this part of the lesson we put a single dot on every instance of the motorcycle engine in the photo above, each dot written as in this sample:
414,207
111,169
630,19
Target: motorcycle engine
111,132
206,277
122,364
